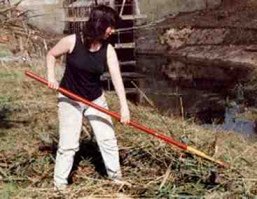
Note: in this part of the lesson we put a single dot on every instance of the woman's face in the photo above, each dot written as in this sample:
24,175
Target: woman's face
109,31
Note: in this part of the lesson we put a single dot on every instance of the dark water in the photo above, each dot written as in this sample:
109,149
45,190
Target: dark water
233,123
206,102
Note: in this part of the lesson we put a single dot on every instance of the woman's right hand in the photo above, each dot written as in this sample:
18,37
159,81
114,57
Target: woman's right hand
53,83
125,115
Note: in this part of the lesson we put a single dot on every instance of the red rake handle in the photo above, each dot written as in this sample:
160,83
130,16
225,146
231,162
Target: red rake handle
136,125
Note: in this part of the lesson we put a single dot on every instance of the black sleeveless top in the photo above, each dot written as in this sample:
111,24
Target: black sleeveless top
83,70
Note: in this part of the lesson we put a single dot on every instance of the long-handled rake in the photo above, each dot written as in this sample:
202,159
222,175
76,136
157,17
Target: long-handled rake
134,124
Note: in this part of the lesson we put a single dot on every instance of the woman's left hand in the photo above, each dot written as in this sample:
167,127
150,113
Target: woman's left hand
125,115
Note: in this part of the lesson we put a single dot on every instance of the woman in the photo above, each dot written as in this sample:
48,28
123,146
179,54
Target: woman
87,57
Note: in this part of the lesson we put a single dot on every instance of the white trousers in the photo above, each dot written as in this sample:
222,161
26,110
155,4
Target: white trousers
70,115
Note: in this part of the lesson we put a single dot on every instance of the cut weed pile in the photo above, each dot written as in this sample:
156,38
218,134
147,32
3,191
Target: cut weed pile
29,133
18,39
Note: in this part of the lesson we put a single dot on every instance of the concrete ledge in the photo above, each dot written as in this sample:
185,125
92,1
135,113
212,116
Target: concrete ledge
47,15
231,56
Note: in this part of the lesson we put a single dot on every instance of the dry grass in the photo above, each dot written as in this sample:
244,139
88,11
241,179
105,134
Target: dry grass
28,136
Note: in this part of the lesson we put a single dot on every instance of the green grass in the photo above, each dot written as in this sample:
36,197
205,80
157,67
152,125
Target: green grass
4,51
8,190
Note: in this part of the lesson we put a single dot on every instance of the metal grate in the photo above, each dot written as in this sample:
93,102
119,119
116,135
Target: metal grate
76,9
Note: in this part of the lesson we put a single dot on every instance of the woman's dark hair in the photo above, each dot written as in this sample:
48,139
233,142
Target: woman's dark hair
101,17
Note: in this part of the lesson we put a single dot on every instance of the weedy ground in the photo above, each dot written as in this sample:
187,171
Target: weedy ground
29,136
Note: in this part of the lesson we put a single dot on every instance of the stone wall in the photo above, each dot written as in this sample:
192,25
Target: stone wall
46,14
157,9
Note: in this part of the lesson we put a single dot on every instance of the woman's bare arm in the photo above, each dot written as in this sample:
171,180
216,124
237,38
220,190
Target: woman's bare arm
65,45
114,69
